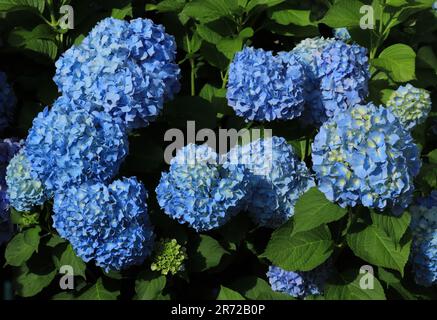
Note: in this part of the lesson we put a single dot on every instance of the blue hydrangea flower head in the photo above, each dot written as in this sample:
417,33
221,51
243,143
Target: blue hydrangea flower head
125,69
278,178
337,76
299,284
424,248
366,156
342,34
8,149
7,102
69,145
264,87
106,223
411,105
200,190
23,190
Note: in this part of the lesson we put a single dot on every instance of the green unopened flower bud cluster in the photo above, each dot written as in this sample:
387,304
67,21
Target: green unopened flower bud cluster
169,257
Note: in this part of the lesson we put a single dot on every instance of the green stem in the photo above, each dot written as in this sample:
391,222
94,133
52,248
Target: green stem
193,77
225,78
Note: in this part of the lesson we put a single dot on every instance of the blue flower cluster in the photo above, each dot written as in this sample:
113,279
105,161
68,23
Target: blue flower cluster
7,102
342,34
326,75
125,69
201,191
69,145
107,223
424,247
8,149
299,284
364,155
264,87
23,190
278,178
411,105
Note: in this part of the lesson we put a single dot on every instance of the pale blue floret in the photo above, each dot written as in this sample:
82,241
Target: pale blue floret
411,105
264,87
23,190
106,223
125,69
278,178
342,34
201,191
366,156
68,145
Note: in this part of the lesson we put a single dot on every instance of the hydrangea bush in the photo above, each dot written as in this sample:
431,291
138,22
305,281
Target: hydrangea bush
313,155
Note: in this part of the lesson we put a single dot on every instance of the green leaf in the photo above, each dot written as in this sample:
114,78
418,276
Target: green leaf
208,34
395,227
343,13
375,246
22,246
253,4
69,257
99,292
213,56
210,10
230,46
30,283
313,209
347,287
291,16
432,156
206,253
54,241
394,280
123,12
149,285
396,3
170,5
16,5
228,294
399,61
301,251
41,39
255,288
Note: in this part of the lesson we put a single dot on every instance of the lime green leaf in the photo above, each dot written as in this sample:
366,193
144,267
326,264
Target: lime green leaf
395,227
16,5
313,210
30,283
207,253
343,13
373,245
291,16
230,46
262,3
228,294
396,3
99,292
22,246
301,251
347,287
122,13
149,285
399,61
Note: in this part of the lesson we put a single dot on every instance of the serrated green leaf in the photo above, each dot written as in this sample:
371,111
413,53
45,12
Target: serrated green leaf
69,257
394,227
313,209
399,61
299,251
347,287
228,294
205,254
22,246
30,283
343,13
373,245
291,16
16,5
99,292
149,285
